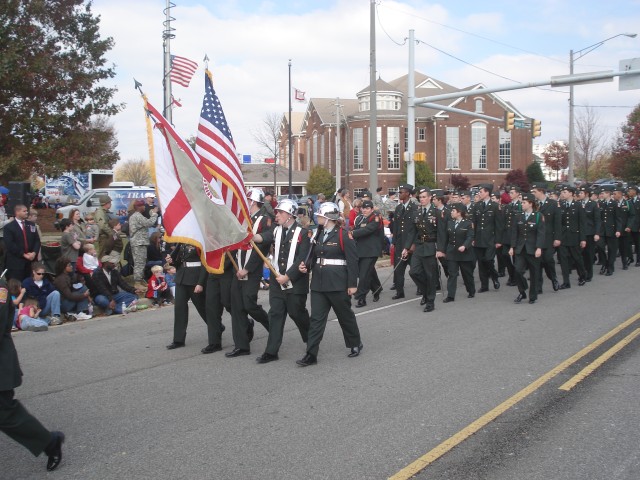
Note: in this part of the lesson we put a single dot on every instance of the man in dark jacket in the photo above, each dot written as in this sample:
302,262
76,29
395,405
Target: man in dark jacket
403,234
15,420
368,232
573,237
552,218
488,225
22,244
112,290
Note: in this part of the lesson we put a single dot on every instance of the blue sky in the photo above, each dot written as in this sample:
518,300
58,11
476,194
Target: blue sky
250,42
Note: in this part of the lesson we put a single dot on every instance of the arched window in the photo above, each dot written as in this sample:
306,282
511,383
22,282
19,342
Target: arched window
478,145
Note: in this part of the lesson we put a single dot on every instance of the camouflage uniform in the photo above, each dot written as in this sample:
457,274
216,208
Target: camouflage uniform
106,232
139,240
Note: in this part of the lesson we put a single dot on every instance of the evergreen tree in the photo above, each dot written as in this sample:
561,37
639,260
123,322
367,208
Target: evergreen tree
424,175
534,173
321,181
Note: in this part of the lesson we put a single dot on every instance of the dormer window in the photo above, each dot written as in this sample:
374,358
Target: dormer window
479,105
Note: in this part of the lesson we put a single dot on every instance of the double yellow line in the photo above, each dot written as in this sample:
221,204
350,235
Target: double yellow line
421,463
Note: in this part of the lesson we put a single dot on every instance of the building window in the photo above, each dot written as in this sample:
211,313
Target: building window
406,140
504,159
479,105
453,147
308,155
364,103
358,146
478,145
393,148
422,134
357,192
322,159
379,147
314,150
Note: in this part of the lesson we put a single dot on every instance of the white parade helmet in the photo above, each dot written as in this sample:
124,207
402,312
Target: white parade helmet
288,205
257,195
329,210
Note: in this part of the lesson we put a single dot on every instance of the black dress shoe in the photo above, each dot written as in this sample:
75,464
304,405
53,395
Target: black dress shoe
520,297
496,283
222,328
608,274
471,295
250,329
173,345
376,296
532,301
483,289
236,352
625,267
393,286
501,274
307,360
423,300
555,285
564,286
361,303
448,299
212,348
429,307
511,283
266,358
355,351
581,282
397,296
603,270
54,450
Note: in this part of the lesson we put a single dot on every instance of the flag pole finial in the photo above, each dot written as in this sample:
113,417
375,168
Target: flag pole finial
138,86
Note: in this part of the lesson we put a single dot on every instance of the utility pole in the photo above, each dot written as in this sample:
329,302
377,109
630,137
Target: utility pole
167,35
411,113
338,153
373,106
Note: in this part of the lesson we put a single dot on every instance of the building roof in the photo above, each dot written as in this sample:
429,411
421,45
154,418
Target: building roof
255,174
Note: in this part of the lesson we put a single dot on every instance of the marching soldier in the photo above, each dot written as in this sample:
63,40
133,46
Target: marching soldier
573,237
549,209
527,241
368,232
611,229
217,300
191,278
488,227
289,288
334,263
634,203
246,282
459,252
509,211
625,213
427,246
403,233
592,228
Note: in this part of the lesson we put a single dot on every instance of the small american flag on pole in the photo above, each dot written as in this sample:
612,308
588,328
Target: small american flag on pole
182,70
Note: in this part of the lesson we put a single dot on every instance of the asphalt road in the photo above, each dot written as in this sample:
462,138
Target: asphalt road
133,410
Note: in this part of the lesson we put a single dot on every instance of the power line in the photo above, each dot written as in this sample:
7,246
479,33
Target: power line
383,29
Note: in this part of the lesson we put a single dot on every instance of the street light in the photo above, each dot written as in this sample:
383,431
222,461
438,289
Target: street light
573,56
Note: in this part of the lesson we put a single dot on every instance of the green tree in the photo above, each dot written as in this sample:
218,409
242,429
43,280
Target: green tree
321,181
424,175
625,157
534,173
51,96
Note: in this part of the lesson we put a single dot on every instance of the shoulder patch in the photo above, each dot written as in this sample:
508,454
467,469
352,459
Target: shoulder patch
4,293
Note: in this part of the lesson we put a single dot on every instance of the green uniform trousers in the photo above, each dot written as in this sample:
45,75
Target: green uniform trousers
293,304
181,310
321,304
218,298
20,425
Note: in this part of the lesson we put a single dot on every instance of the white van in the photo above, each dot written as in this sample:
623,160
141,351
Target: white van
122,195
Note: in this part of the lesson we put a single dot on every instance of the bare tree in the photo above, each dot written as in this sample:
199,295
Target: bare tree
136,171
589,140
267,137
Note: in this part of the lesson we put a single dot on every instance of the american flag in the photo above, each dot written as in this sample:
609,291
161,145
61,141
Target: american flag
215,147
182,70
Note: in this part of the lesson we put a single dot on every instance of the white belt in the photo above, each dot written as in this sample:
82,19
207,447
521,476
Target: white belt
328,261
192,264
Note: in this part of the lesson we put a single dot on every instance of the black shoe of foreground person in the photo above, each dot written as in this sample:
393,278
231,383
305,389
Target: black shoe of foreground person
54,450
307,360
237,352
212,348
520,297
355,351
173,345
266,358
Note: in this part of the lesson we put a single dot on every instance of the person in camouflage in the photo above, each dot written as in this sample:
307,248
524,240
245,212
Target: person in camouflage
101,217
139,237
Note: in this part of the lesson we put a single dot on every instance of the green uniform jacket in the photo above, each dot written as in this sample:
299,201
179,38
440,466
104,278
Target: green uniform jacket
429,232
10,373
458,237
529,234
334,278
552,220
368,232
192,276
592,217
488,224
573,224
404,225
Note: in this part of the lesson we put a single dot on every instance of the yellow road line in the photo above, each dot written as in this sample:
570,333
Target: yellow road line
421,463
589,369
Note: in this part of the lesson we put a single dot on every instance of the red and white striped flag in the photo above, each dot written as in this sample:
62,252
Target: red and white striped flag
215,147
299,95
182,70
193,207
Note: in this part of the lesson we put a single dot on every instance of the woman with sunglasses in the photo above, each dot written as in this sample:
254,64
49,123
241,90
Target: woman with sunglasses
41,289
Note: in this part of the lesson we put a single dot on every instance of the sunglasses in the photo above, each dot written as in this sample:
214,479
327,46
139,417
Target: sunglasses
39,273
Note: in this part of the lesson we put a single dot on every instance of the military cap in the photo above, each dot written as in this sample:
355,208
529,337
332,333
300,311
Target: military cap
424,190
513,187
464,193
366,194
529,197
606,188
407,186
111,258
632,187
568,188
540,186
367,204
459,207
618,188
104,199
487,186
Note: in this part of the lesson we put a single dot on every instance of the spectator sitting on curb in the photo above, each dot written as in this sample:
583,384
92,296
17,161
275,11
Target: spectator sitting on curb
41,289
158,287
24,318
112,290
74,295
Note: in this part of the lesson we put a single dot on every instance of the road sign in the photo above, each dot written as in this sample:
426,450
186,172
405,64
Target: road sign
629,82
519,124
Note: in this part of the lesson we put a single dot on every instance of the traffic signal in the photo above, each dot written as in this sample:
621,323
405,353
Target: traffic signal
536,128
509,121
419,157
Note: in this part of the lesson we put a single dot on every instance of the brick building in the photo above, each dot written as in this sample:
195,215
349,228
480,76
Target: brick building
454,143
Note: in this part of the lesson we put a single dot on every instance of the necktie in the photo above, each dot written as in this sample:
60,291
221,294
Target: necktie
526,217
456,225
24,236
424,210
284,232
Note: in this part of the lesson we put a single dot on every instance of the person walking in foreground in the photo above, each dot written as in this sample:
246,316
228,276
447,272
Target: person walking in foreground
15,420
334,280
